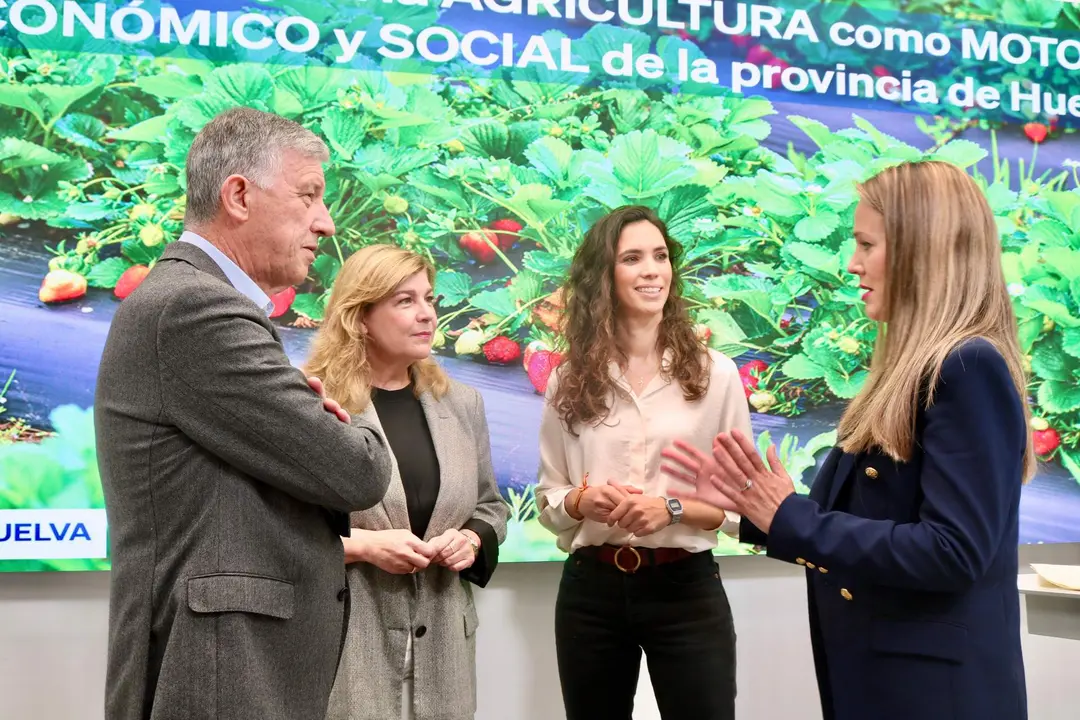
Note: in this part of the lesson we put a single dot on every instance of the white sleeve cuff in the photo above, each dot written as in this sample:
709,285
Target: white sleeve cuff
555,517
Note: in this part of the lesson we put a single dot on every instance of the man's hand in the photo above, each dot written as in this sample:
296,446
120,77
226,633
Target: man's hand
331,406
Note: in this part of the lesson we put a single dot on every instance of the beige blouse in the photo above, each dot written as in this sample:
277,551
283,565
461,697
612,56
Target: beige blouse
626,448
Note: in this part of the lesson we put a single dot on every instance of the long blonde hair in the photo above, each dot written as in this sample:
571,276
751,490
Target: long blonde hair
944,286
338,353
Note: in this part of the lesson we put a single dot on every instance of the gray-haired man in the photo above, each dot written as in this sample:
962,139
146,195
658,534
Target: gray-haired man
227,483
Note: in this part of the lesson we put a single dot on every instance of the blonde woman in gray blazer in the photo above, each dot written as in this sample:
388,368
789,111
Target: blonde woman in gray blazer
412,560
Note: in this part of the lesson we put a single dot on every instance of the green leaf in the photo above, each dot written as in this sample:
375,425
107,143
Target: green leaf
453,287
426,180
1065,261
645,164
326,267
546,264
58,99
801,367
1059,397
150,131
814,228
285,104
727,337
1070,342
141,254
815,130
21,97
845,387
312,85
45,206
487,139
169,85
747,109
107,272
814,258
1066,205
91,212
164,184
755,292
527,286
16,153
963,153
1031,13
1070,459
82,130
1050,233
309,305
1049,363
1053,310
839,195
682,207
498,302
551,157
630,110
344,131
242,84
534,204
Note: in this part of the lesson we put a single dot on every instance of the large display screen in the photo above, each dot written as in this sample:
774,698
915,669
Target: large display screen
488,135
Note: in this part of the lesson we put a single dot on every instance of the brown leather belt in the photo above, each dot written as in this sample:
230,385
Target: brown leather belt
630,559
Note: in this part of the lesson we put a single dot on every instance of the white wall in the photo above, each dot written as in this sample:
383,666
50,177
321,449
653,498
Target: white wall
53,630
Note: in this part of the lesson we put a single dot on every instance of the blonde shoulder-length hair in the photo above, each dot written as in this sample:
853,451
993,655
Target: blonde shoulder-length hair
944,286
339,354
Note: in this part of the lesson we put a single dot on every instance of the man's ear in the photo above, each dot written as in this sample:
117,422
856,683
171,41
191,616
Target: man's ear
236,197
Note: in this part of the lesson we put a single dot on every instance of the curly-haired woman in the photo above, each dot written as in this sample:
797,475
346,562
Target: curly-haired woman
640,576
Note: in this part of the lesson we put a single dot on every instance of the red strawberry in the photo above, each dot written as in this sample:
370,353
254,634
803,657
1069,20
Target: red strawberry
282,301
1036,132
750,374
475,244
506,231
531,349
758,55
501,350
540,366
130,280
61,286
1046,441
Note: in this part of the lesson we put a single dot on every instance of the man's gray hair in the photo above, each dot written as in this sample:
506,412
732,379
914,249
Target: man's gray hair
241,141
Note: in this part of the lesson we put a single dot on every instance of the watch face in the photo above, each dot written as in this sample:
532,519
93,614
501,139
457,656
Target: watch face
675,505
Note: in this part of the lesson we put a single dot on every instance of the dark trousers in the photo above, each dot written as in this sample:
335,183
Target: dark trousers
677,612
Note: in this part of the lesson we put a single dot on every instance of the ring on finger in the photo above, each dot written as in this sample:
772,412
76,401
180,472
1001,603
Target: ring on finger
749,484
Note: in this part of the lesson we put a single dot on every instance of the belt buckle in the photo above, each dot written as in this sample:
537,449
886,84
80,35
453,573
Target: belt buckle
637,556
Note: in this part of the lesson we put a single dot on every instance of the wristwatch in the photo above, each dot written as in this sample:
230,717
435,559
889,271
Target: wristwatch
475,547
674,507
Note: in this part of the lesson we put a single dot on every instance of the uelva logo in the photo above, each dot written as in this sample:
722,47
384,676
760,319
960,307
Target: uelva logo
52,534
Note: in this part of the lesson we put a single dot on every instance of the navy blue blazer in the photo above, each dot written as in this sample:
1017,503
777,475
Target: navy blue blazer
911,567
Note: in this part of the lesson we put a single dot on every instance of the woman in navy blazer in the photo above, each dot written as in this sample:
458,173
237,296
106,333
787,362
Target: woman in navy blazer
909,535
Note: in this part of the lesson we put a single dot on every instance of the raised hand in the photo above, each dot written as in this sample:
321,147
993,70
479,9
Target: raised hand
687,464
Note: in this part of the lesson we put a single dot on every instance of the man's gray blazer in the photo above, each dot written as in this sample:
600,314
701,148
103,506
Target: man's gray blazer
226,488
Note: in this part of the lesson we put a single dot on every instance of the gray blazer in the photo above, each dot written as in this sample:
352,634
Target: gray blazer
434,605
226,487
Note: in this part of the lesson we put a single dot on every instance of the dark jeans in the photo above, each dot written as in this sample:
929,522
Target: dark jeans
678,613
